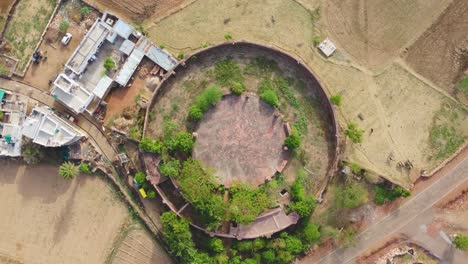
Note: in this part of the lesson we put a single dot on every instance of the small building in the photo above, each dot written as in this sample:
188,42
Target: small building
327,47
84,82
45,128
12,115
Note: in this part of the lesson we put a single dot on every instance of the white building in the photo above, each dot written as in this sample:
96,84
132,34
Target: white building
13,109
45,128
327,47
84,82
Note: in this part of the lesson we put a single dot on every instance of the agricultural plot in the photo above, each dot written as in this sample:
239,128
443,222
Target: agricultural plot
25,28
4,8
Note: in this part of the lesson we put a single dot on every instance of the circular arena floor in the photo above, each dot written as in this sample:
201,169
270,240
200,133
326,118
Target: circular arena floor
242,140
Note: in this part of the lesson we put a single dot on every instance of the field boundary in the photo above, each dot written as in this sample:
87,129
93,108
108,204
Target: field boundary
8,17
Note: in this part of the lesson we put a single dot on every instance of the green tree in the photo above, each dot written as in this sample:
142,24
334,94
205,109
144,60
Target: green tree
177,234
293,141
270,97
216,245
303,207
84,11
84,168
182,141
63,26
461,241
336,99
140,177
354,133
208,98
151,194
258,244
68,170
249,261
170,168
297,190
109,64
244,246
195,113
237,88
293,244
284,257
309,232
269,256
246,204
150,145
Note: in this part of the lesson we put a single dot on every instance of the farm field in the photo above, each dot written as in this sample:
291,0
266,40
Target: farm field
4,8
46,219
441,53
25,28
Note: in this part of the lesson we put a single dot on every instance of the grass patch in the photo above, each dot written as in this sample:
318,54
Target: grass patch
463,85
445,140
227,71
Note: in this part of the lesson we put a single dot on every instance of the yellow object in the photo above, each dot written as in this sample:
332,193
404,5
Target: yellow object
142,192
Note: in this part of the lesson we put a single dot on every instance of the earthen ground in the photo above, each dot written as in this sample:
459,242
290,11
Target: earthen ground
242,139
47,219
441,53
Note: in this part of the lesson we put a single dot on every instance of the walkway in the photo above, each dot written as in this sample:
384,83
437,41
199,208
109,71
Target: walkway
411,211
91,129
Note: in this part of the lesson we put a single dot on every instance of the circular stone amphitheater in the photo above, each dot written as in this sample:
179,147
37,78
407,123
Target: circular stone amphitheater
242,139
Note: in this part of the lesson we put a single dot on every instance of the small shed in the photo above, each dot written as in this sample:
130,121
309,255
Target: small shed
327,47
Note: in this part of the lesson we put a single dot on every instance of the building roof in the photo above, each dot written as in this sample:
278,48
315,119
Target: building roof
14,111
127,47
103,86
47,129
129,67
327,47
123,29
157,55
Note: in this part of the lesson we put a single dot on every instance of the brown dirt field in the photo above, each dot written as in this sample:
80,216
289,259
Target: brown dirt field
46,219
441,53
4,8
40,74
373,32
139,247
136,9
242,139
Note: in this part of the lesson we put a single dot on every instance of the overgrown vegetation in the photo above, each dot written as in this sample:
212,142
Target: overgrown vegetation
301,203
148,144
246,203
336,99
203,102
384,194
109,64
227,71
270,97
293,141
445,140
350,196
461,242
354,133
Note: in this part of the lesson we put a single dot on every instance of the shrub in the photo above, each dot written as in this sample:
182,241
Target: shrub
177,234
227,36
63,27
269,256
461,242
336,99
140,177
354,133
109,64
351,196
294,245
383,194
237,88
309,232
227,71
135,133
216,245
244,246
297,190
181,56
84,168
170,168
303,207
195,113
284,257
258,244
84,11
208,98
293,141
150,145
182,141
68,170
246,203
151,194
270,97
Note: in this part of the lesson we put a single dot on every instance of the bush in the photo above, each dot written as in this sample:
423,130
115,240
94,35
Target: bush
227,36
383,194
84,168
150,145
258,244
293,141
237,88
351,196
303,207
284,257
354,133
63,27
140,177
309,233
461,242
84,11
247,204
182,141
244,246
195,113
177,234
270,97
336,99
68,170
297,190
152,194
109,64
135,133
208,98
216,245
269,256
181,56
170,168
294,245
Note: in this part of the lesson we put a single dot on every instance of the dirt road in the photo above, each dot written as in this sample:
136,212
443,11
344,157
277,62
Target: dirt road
399,219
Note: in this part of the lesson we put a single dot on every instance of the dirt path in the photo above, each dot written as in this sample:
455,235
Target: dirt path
398,220
46,219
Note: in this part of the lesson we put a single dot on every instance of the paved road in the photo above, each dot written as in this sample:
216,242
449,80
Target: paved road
401,217
92,129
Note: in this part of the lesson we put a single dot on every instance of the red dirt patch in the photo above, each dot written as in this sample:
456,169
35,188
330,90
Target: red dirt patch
242,139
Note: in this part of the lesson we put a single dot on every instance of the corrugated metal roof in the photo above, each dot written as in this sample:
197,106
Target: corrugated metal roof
127,47
123,29
102,86
129,67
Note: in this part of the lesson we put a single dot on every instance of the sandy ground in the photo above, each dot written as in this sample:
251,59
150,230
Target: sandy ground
399,118
441,53
139,247
373,32
242,139
46,219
